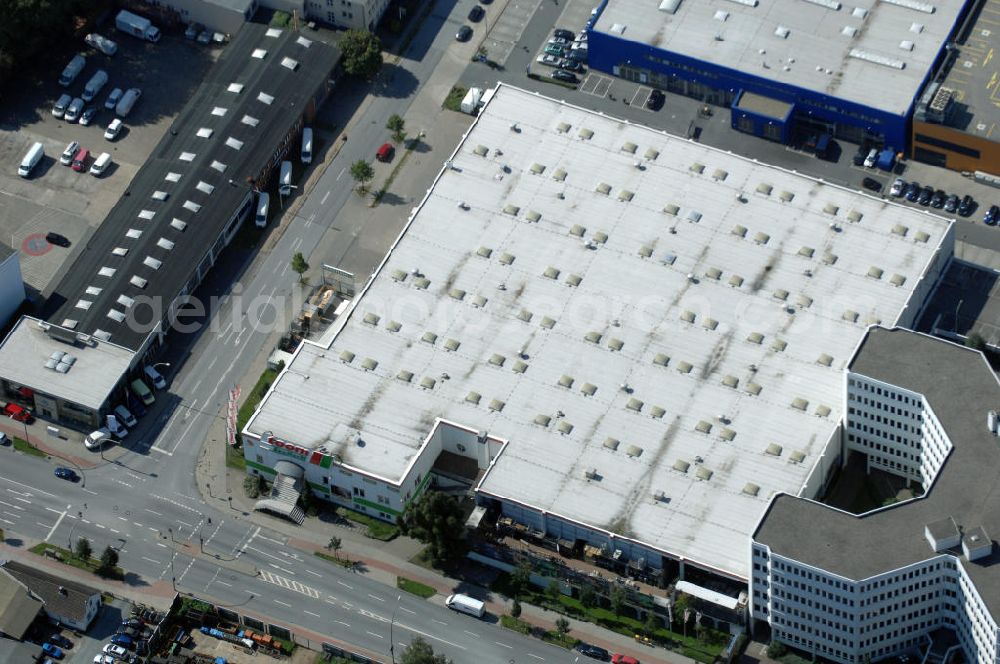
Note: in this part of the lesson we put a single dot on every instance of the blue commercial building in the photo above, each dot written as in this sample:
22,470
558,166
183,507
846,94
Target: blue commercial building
786,68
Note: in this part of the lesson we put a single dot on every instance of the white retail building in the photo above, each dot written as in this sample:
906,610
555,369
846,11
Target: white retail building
619,336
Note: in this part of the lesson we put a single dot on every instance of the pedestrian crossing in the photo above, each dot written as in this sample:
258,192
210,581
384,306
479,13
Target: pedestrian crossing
285,582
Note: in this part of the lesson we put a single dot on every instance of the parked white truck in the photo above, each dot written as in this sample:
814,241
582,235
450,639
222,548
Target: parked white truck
466,604
72,70
137,26
471,100
94,85
124,107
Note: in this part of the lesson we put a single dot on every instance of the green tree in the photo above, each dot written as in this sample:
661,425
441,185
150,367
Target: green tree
396,124
334,544
776,649
30,27
552,590
649,625
361,53
588,598
515,609
420,652
520,579
299,265
362,172
976,341
83,549
617,601
562,626
109,560
437,520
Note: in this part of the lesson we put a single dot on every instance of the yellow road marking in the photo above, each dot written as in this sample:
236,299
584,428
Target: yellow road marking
989,56
993,80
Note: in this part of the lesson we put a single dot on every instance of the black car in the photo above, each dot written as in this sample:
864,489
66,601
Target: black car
967,205
486,2
655,101
57,239
464,34
951,204
938,199
859,157
571,65
61,641
560,33
992,216
593,651
476,14
578,55
872,184
565,76
67,474
912,191
926,194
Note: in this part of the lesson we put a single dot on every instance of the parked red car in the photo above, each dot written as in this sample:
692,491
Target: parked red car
623,659
19,413
385,152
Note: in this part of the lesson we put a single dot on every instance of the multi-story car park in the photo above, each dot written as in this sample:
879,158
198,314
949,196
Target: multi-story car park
917,575
784,66
184,206
614,335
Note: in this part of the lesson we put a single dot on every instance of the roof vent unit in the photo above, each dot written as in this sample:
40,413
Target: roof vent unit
877,58
976,544
669,6
829,4
591,474
748,3
942,534
915,5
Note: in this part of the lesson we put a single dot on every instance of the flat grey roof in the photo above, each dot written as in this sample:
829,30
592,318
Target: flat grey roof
98,367
961,388
772,108
178,204
815,52
663,333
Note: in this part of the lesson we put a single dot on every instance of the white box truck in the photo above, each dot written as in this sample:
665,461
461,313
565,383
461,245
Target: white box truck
94,85
124,107
72,70
307,145
466,604
137,26
31,160
471,100
285,179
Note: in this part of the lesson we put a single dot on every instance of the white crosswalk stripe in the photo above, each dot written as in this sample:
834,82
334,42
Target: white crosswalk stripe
285,582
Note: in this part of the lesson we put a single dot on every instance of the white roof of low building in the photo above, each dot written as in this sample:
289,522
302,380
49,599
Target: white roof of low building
522,301
873,52
83,372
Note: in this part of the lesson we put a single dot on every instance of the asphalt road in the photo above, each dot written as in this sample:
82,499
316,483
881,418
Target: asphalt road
162,536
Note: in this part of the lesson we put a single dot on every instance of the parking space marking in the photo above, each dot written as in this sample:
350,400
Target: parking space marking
596,84
640,97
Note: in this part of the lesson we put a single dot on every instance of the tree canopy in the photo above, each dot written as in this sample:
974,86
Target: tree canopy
30,27
362,53
437,520
420,652
362,173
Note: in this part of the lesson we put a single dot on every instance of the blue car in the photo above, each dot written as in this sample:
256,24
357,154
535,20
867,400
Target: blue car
52,651
122,640
66,474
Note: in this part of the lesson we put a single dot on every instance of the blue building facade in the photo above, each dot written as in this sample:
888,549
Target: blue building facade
810,111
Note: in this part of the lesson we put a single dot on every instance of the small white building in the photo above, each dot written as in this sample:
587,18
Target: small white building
360,14
11,283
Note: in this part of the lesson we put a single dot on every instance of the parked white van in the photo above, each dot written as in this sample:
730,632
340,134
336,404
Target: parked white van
307,145
96,439
285,179
100,164
155,378
31,160
466,604
59,109
263,200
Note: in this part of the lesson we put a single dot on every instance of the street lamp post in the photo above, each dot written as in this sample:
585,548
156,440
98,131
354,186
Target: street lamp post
392,621
69,540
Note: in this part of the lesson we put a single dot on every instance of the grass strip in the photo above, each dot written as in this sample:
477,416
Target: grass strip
415,587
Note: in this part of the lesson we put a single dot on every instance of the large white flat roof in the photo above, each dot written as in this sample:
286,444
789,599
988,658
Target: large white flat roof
520,290
815,52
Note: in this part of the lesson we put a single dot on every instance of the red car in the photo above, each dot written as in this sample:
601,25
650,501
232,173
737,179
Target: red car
618,658
19,413
80,160
385,152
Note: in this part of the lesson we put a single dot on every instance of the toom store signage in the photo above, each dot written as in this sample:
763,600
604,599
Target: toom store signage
298,452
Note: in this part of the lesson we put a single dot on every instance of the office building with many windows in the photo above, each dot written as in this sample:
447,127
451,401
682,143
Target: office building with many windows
922,575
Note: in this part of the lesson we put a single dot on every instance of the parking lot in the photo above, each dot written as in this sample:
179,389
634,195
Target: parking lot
56,198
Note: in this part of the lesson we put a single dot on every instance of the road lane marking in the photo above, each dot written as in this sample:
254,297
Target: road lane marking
156,562
44,525
228,585
340,175
54,511
376,598
430,636
56,525
136,523
344,584
377,636
153,512
17,507
93,493
504,645
161,544
185,523
341,622
311,613
403,608
309,571
263,553
286,571
536,656
9,523
278,601
100,525
440,622
470,633
123,518
16,516
28,487
326,196
23,500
